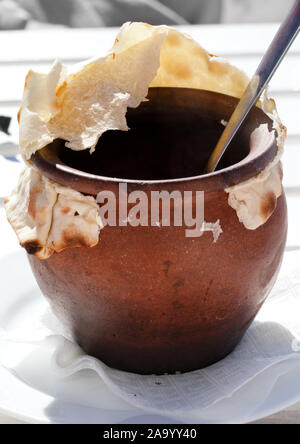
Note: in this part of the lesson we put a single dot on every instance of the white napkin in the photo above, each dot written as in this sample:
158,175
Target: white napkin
260,377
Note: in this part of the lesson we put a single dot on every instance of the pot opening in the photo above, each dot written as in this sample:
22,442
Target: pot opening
165,141
170,139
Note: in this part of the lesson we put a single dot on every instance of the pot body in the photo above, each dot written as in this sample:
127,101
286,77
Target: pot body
148,299
151,300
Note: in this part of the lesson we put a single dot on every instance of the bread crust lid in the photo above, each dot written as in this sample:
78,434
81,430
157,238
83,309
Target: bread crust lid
81,103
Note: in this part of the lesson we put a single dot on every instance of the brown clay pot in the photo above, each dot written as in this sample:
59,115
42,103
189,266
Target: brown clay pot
149,299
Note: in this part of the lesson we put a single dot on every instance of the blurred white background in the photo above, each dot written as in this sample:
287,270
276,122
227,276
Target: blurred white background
29,14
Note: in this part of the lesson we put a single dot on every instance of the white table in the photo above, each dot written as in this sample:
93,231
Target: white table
243,45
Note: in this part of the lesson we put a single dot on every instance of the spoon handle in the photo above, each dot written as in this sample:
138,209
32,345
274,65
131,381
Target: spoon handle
268,65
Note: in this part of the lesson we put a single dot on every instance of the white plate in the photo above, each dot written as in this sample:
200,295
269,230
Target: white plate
44,403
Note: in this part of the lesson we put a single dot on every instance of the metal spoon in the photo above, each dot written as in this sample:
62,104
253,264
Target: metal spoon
268,65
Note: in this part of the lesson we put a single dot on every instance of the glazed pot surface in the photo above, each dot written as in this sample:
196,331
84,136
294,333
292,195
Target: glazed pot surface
148,299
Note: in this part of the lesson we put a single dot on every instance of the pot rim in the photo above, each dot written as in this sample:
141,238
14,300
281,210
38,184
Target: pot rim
49,164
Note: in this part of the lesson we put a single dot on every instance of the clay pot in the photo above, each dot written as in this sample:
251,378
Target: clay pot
149,299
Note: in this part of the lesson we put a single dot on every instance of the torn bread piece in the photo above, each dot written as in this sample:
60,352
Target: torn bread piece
255,200
49,217
80,104
185,64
